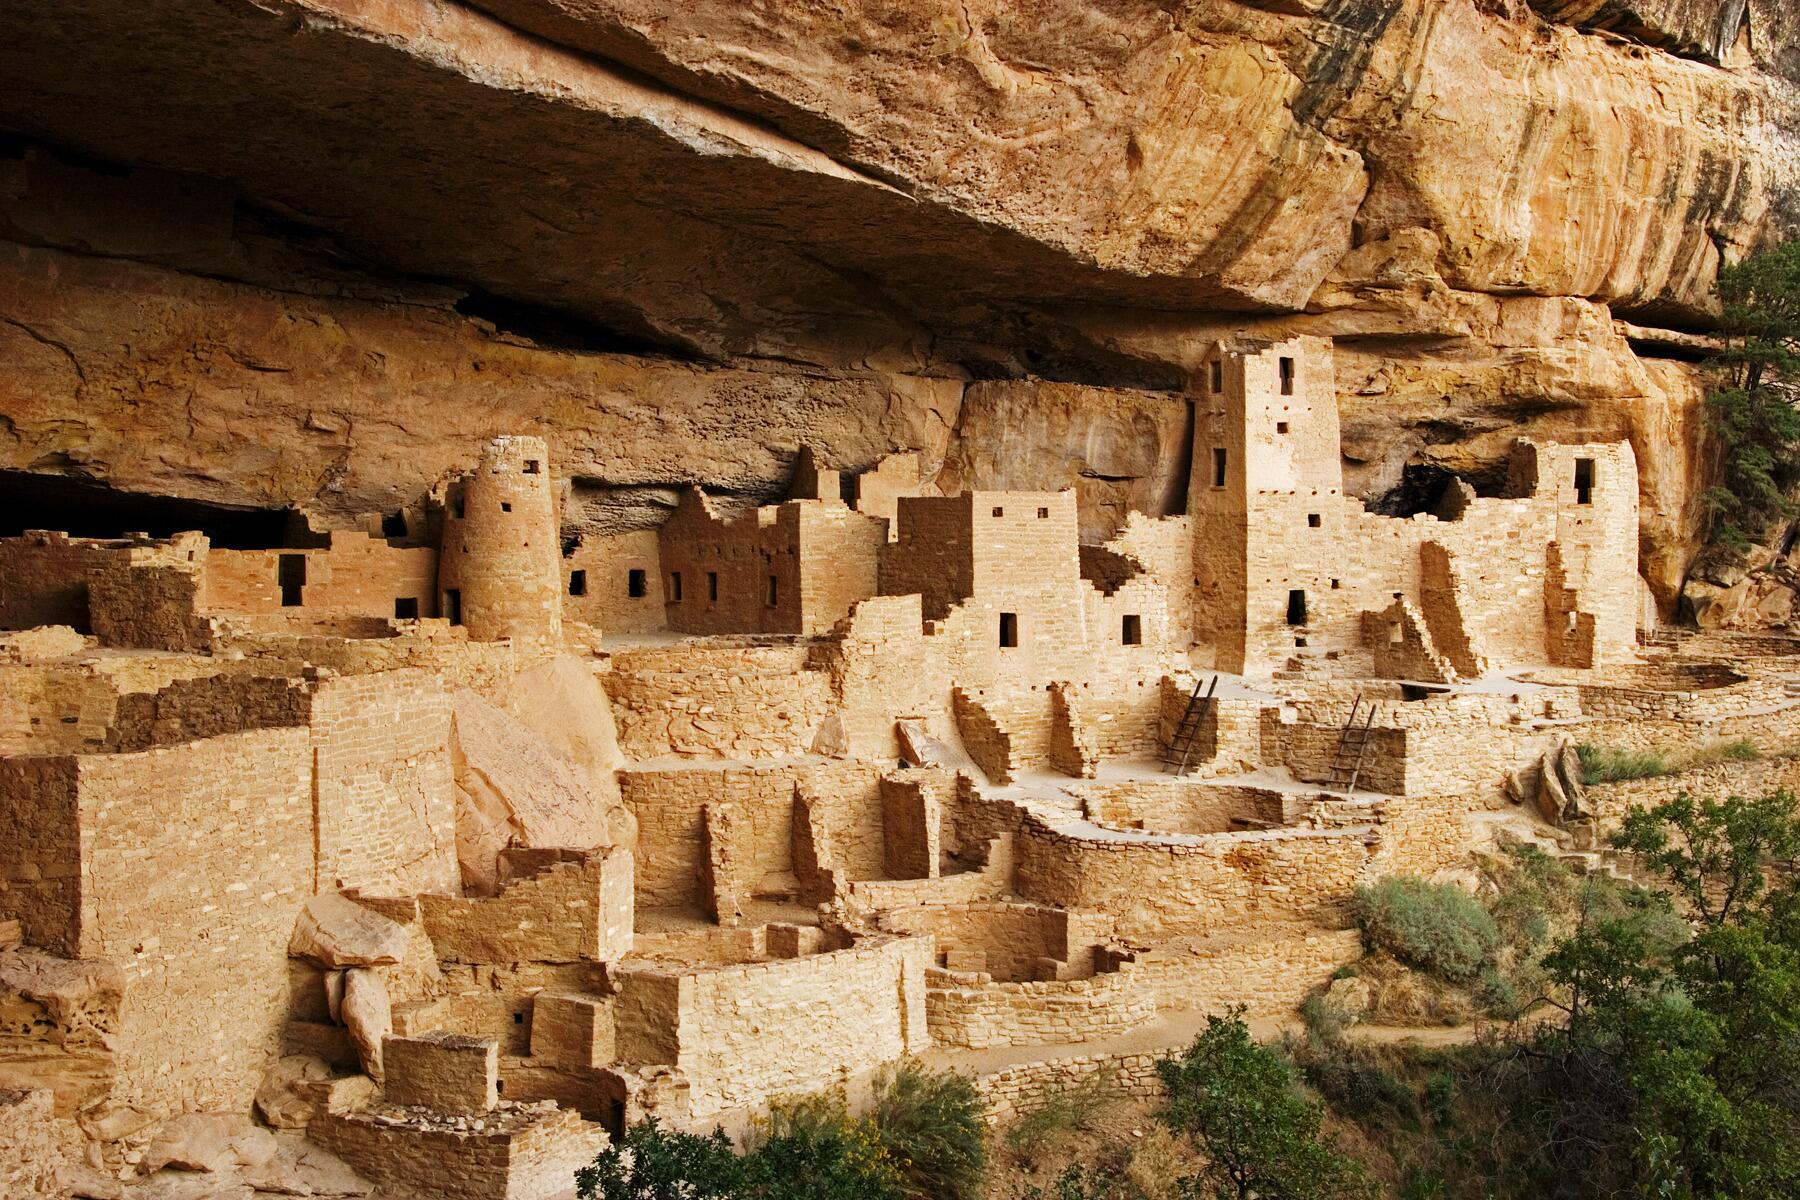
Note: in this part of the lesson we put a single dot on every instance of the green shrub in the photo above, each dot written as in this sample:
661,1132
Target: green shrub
813,1149
1604,764
1436,928
932,1126
651,1163
1359,1088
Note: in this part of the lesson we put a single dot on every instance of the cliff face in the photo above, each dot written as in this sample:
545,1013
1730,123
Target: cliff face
313,252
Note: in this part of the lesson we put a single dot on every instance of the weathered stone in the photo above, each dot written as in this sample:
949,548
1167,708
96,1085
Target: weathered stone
336,932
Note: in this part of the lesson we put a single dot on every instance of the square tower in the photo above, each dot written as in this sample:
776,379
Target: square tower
1267,500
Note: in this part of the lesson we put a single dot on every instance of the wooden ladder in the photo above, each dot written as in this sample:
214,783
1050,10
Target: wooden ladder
1353,744
1181,746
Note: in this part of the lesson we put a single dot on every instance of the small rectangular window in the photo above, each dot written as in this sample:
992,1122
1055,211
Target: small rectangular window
290,575
1312,520
406,608
1133,632
999,512
1009,629
1218,466
1043,513
1584,481
1287,376
456,506
393,525
1336,584
505,506
577,583
637,583
712,585
1281,427
675,587
1296,612
1218,376
774,590
453,605
531,466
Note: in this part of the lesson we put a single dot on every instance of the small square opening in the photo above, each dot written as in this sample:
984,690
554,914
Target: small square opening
1287,376
1312,520
505,506
1132,632
1043,514
531,466
675,587
1584,481
393,525
577,583
1009,629
637,583
1281,427
406,608
999,512
1336,584
1218,466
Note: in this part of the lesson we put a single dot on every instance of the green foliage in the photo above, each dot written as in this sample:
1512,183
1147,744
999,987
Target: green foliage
1752,413
814,1150
651,1163
932,1127
1082,1183
1604,764
1260,1136
1436,928
1741,750
1673,1074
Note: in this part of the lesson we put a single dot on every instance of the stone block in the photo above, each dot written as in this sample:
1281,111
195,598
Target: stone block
448,1072
572,1029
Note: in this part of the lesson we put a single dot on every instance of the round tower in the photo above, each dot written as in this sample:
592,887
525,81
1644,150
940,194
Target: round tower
502,536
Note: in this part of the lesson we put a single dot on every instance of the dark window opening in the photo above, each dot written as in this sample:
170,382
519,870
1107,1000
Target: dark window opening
637,583
999,512
505,507
1584,481
453,605
1009,629
1218,466
1043,513
1296,614
577,583
290,573
774,590
1336,584
1133,632
393,525
1412,691
531,466
1281,427
1287,376
518,1018
1218,376
712,585
406,608
456,506
1312,520
674,587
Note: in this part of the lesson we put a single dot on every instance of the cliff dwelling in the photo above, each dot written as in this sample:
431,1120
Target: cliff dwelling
563,567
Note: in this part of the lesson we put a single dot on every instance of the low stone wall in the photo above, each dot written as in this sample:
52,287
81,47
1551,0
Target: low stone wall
1009,942
737,701
1170,885
524,1153
1611,801
1180,806
971,1010
1268,971
1009,1094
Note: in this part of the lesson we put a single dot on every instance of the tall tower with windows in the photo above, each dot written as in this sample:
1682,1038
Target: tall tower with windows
1267,500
